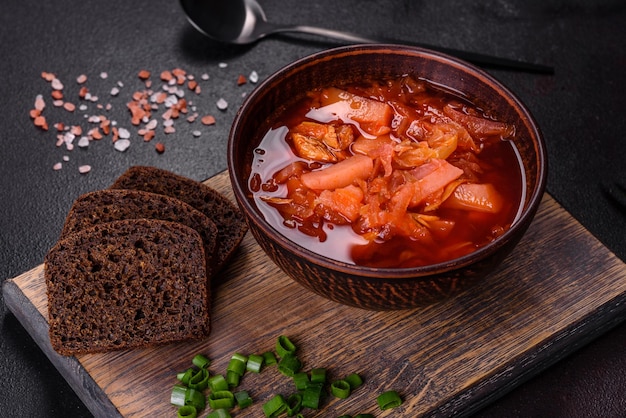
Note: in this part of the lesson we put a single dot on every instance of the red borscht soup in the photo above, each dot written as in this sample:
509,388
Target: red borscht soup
395,173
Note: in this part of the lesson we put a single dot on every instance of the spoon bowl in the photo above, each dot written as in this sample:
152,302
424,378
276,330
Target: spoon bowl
243,22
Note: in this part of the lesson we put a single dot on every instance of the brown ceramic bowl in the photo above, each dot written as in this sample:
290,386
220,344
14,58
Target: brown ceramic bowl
381,288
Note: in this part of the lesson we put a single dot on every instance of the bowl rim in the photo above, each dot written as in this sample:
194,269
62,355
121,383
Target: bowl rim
254,215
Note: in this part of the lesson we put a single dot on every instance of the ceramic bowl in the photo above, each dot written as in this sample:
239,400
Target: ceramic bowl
381,288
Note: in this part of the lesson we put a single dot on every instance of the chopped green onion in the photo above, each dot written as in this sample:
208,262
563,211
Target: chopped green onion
201,361
222,399
232,378
217,383
243,399
200,380
177,397
269,358
318,375
254,363
312,395
340,389
294,404
274,407
289,364
195,398
219,413
388,400
284,346
237,364
301,380
186,411
185,376
354,380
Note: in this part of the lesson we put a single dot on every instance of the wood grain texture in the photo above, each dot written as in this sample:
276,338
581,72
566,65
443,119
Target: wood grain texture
557,290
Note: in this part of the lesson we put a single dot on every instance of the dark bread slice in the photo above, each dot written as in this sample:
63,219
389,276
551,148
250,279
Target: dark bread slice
231,224
113,205
126,284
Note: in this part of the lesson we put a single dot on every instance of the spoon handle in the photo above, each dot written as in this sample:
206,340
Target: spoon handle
475,58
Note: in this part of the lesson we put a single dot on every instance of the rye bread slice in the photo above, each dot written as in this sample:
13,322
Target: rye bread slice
102,206
126,284
231,224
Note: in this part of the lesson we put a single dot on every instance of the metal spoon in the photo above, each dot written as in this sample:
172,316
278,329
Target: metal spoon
244,22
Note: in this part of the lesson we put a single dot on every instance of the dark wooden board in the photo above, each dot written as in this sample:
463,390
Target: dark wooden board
559,289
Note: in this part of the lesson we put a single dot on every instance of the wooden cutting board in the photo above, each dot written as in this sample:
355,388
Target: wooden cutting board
559,289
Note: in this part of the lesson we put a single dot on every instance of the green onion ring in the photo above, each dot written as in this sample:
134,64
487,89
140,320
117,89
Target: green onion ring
222,399
284,346
219,413
237,364
354,380
199,380
318,375
312,395
274,406
243,399
301,380
294,404
186,411
388,400
340,389
201,361
195,398
217,383
269,358
289,364
177,397
254,363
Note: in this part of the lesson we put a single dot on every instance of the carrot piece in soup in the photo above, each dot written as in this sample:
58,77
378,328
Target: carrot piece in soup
475,197
373,116
339,175
346,201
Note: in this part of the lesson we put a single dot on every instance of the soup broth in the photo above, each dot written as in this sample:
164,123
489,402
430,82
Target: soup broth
396,173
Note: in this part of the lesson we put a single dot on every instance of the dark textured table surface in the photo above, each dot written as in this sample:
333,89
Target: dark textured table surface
580,110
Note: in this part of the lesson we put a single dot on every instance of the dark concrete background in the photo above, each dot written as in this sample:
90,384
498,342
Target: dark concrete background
580,110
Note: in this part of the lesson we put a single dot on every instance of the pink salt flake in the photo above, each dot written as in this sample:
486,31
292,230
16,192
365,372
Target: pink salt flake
81,79
57,166
83,142
121,145
152,124
56,84
39,103
84,169
222,104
